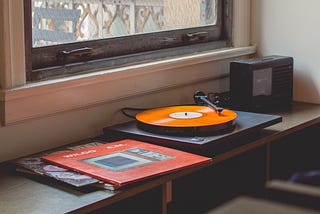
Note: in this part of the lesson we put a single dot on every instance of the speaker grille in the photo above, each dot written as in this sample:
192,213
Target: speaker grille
282,77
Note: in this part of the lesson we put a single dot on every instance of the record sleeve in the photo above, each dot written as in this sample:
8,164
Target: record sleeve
126,161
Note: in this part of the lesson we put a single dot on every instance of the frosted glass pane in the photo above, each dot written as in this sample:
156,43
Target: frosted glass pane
65,21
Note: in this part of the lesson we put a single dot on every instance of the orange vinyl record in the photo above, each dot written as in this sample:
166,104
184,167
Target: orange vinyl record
185,120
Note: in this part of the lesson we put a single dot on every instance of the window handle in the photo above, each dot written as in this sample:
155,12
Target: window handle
189,37
74,54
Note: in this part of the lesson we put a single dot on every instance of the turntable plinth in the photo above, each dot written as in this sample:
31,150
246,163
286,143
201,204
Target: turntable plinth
215,142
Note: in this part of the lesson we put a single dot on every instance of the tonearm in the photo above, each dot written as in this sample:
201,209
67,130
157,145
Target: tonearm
201,99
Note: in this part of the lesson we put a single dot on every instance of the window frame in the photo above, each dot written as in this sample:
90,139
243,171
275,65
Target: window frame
46,98
40,66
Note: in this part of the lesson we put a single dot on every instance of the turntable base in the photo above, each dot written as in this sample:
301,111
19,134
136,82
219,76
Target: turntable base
246,123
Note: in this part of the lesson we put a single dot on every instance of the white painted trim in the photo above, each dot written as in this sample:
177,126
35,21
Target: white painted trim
12,68
50,97
241,23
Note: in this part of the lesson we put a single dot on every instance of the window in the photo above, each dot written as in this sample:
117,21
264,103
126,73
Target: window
74,36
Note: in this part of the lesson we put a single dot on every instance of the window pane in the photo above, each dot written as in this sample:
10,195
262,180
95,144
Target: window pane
66,37
67,21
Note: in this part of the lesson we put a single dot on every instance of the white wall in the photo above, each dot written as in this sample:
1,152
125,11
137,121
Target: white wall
291,28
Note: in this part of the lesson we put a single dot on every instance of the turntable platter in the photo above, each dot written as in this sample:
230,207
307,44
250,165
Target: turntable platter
185,119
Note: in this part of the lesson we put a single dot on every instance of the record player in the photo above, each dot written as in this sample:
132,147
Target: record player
203,128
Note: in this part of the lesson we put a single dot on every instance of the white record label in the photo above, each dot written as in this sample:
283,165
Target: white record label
185,115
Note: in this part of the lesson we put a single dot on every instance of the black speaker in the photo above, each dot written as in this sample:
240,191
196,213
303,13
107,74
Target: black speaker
262,84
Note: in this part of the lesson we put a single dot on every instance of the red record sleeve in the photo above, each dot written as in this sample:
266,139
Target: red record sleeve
126,161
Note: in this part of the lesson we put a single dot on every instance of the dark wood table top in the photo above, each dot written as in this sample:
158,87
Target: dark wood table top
302,116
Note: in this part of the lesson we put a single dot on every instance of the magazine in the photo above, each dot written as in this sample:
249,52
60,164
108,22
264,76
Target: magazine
35,165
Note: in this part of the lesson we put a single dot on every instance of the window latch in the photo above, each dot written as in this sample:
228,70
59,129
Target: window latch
74,54
189,37
169,39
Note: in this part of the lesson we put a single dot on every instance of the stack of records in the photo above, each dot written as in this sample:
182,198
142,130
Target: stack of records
34,165
109,165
